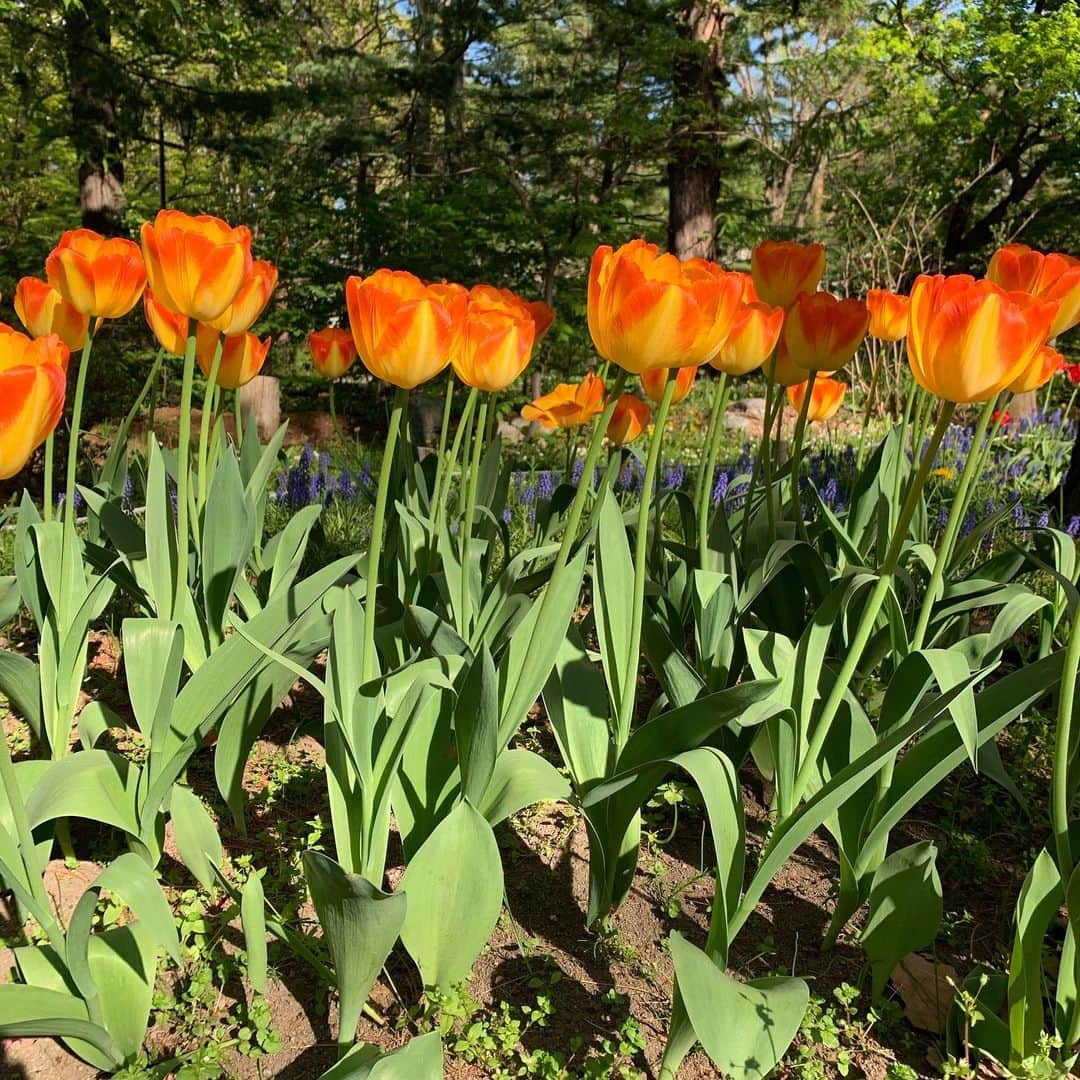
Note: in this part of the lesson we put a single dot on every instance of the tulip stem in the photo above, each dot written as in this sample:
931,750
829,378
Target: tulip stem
972,466
796,450
333,416
658,501
870,612
70,538
868,404
369,661
629,687
467,520
183,478
700,481
204,421
1063,753
771,389
464,425
47,492
440,464
708,466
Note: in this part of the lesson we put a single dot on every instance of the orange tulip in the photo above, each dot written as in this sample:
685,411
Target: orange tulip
33,381
821,333
1018,268
332,351
497,337
825,398
648,310
754,335
782,369
405,330
250,301
969,339
44,311
99,277
1039,372
888,314
629,419
170,328
196,265
782,269
654,381
242,356
569,404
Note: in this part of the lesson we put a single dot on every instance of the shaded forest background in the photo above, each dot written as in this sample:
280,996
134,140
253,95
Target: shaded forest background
501,140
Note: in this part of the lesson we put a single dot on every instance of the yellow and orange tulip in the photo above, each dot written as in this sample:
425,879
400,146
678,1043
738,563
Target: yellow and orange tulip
405,330
497,337
825,398
889,314
97,277
33,382
1039,372
169,327
782,269
333,351
654,381
44,311
969,339
648,310
754,335
628,420
250,301
242,356
569,404
821,333
196,266
1018,268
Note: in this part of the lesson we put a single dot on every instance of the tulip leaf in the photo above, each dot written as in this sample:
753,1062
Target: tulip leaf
421,1058
520,778
20,683
197,839
745,1028
476,726
28,1011
613,597
455,889
253,918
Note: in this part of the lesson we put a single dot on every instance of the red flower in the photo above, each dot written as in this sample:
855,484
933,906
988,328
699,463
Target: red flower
1073,373
1004,417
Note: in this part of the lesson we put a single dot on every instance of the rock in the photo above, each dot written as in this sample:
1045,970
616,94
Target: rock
927,989
510,432
754,407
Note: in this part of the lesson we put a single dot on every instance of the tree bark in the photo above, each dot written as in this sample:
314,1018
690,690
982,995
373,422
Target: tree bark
92,92
694,167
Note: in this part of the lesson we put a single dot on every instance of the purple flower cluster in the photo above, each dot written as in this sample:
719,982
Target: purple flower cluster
311,480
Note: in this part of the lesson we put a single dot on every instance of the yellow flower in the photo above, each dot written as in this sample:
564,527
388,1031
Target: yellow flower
943,473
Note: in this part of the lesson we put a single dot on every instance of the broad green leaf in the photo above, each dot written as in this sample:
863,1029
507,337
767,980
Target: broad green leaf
455,889
20,683
227,542
196,837
94,784
476,726
153,657
253,919
520,778
905,909
421,1058
361,924
745,1028
34,1011
613,596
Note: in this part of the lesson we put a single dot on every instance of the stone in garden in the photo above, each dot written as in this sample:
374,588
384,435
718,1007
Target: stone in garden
927,990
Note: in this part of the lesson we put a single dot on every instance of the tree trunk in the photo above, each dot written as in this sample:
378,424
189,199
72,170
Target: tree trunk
1024,404
92,91
261,398
694,167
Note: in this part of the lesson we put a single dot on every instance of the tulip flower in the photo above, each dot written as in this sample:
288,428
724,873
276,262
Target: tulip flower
825,398
1002,418
654,381
754,334
169,327
33,381
969,339
250,301
1018,268
1039,372
648,310
44,311
497,337
1072,373
98,277
242,356
629,420
196,265
782,269
782,369
405,330
821,333
332,351
888,314
569,404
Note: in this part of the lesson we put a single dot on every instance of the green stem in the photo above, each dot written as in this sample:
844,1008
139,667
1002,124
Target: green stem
960,502
70,537
47,495
1063,754
440,463
204,421
238,420
448,476
771,388
797,446
371,588
183,477
870,611
879,363
629,688
333,415
703,500
467,521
